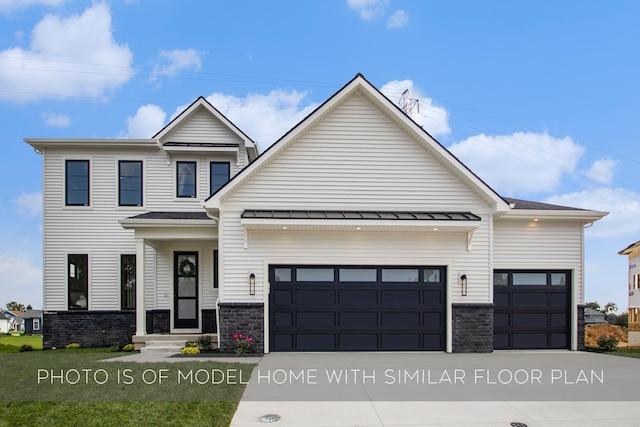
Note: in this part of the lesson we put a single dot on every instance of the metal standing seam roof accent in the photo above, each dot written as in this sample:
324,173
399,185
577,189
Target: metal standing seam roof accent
359,215
172,215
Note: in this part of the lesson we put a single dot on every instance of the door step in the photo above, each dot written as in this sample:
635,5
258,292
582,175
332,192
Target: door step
168,343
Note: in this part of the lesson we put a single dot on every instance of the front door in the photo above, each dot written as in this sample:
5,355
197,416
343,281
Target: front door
185,290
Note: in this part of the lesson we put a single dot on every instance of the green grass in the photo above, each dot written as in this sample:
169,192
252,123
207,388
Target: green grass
37,399
34,341
620,351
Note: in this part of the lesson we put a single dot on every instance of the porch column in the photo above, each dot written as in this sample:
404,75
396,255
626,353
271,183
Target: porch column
141,311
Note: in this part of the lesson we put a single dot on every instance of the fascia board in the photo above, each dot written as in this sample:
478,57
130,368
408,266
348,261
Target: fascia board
554,214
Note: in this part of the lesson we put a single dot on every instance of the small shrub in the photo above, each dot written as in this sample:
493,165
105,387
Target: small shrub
607,342
129,347
243,343
192,344
205,342
73,346
189,351
114,348
26,347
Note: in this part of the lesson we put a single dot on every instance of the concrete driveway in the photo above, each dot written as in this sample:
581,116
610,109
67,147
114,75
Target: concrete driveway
505,388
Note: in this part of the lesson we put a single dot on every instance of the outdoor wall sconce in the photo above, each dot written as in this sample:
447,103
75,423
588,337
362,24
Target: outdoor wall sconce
463,283
252,284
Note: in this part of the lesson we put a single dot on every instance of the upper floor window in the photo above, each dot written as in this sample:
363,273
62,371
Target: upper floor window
186,179
78,280
130,180
77,183
219,175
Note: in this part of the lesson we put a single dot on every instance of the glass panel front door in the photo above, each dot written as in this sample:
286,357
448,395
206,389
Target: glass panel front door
185,290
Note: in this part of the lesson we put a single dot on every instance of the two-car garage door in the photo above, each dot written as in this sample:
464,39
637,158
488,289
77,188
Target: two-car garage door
333,308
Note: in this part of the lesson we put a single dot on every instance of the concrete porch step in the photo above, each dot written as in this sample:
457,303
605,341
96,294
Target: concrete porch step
168,343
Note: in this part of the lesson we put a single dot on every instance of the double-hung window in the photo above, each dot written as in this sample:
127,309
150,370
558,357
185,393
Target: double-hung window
186,179
218,175
78,281
130,183
77,182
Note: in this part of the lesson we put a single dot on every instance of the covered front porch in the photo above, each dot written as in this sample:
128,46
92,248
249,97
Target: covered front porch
176,288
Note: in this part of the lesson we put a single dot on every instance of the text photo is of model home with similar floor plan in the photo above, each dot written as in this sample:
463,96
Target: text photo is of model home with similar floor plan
356,230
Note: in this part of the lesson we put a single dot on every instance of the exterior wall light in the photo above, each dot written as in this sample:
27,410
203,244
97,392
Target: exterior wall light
463,283
252,284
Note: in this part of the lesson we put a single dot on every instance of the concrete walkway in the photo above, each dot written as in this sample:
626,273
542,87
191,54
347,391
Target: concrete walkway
550,389
168,358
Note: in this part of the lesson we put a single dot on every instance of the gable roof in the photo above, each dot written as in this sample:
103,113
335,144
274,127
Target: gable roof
631,249
361,84
202,103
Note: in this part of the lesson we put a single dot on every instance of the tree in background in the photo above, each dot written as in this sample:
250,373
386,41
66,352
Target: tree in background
610,308
15,306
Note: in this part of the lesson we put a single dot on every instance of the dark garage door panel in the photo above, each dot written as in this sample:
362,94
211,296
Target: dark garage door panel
339,316
532,316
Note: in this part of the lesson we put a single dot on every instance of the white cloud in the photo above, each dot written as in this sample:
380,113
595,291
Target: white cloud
21,280
56,120
147,121
368,9
432,118
602,171
8,6
520,163
73,56
623,205
29,204
399,19
177,60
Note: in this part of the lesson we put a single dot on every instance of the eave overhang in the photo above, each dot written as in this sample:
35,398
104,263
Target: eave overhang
574,214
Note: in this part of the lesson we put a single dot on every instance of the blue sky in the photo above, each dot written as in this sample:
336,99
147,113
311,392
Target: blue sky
540,98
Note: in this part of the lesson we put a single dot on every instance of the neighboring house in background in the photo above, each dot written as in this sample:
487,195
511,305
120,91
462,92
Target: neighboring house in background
356,230
633,253
4,323
32,322
593,317
15,319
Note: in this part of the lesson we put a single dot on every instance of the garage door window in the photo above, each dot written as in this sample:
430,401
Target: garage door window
558,279
432,275
282,274
400,275
357,275
314,274
530,279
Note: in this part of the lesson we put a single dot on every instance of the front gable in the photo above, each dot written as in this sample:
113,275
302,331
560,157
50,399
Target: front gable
358,151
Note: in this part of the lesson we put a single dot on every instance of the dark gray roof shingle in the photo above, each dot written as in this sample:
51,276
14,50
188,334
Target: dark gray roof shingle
526,204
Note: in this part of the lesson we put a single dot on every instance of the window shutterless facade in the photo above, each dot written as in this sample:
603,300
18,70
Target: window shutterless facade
130,183
186,179
36,324
78,281
77,182
128,281
219,173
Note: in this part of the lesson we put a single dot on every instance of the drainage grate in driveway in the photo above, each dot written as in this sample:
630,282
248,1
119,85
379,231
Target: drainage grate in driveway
514,424
272,418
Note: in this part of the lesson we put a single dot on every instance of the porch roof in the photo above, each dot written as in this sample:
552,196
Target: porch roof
365,215
191,225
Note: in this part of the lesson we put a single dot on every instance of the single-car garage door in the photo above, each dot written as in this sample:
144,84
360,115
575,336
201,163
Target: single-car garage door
532,309
334,308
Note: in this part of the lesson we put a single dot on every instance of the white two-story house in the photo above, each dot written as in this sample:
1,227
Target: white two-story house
356,230
633,253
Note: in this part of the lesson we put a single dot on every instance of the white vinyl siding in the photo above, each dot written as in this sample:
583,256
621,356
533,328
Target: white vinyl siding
202,127
355,159
544,245
96,229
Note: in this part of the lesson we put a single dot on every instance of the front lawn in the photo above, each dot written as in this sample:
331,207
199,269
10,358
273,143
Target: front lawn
34,341
620,351
73,387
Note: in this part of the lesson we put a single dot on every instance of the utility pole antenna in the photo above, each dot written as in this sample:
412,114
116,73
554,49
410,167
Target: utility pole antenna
408,104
